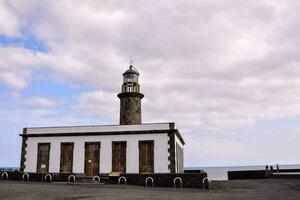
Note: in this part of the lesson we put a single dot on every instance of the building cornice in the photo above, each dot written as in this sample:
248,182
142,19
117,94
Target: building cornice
104,133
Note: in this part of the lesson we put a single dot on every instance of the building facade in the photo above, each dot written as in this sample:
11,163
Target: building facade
131,147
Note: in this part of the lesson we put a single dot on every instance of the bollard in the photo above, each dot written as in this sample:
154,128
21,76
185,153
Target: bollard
175,179
203,181
124,178
27,177
6,175
72,177
98,179
146,181
50,177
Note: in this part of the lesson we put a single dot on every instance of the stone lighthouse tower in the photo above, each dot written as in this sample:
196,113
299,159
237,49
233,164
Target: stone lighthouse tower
130,98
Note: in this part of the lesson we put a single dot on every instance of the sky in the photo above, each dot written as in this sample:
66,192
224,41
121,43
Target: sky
225,71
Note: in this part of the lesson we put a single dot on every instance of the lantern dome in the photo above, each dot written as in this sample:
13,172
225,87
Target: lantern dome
131,75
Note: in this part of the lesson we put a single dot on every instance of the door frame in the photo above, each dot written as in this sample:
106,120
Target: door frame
37,156
141,142
88,143
119,142
61,145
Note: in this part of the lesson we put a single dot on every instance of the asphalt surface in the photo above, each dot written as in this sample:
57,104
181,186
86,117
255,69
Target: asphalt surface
274,189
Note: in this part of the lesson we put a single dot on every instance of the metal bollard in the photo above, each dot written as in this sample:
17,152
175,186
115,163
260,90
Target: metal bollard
175,179
27,176
146,181
203,181
98,179
71,177
6,175
122,178
50,177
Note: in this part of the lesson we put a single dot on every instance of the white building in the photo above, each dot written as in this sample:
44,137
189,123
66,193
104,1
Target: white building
131,147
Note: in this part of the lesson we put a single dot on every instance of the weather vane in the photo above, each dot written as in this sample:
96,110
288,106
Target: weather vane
131,61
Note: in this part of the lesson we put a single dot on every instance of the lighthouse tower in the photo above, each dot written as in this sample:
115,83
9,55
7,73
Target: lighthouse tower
130,98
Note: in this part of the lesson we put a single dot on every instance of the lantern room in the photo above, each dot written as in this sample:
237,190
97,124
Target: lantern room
131,80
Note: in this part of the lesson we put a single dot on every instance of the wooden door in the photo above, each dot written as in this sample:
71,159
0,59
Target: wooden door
43,157
119,157
146,156
92,159
66,157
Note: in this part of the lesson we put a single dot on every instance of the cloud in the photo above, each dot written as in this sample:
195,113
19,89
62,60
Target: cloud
11,79
213,67
9,22
251,149
41,101
99,103
17,63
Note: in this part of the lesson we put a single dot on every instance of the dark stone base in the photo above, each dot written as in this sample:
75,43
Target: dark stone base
262,174
193,171
167,180
189,180
249,174
38,177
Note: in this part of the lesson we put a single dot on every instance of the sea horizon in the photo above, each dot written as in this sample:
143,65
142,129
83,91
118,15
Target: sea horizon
220,172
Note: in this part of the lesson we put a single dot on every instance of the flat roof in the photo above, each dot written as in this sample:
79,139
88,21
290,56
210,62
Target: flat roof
145,128
99,128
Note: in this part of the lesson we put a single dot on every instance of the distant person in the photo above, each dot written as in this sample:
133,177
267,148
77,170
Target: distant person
271,168
277,166
267,171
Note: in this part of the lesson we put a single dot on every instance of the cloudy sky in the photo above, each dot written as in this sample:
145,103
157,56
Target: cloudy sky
226,71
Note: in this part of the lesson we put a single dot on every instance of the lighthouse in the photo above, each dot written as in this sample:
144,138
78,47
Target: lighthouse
130,98
132,148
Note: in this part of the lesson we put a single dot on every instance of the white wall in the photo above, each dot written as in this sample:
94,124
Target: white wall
177,141
132,152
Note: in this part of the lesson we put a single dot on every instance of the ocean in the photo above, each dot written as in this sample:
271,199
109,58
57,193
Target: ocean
220,173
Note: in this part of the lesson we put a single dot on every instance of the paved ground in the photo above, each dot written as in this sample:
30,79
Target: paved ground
247,189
